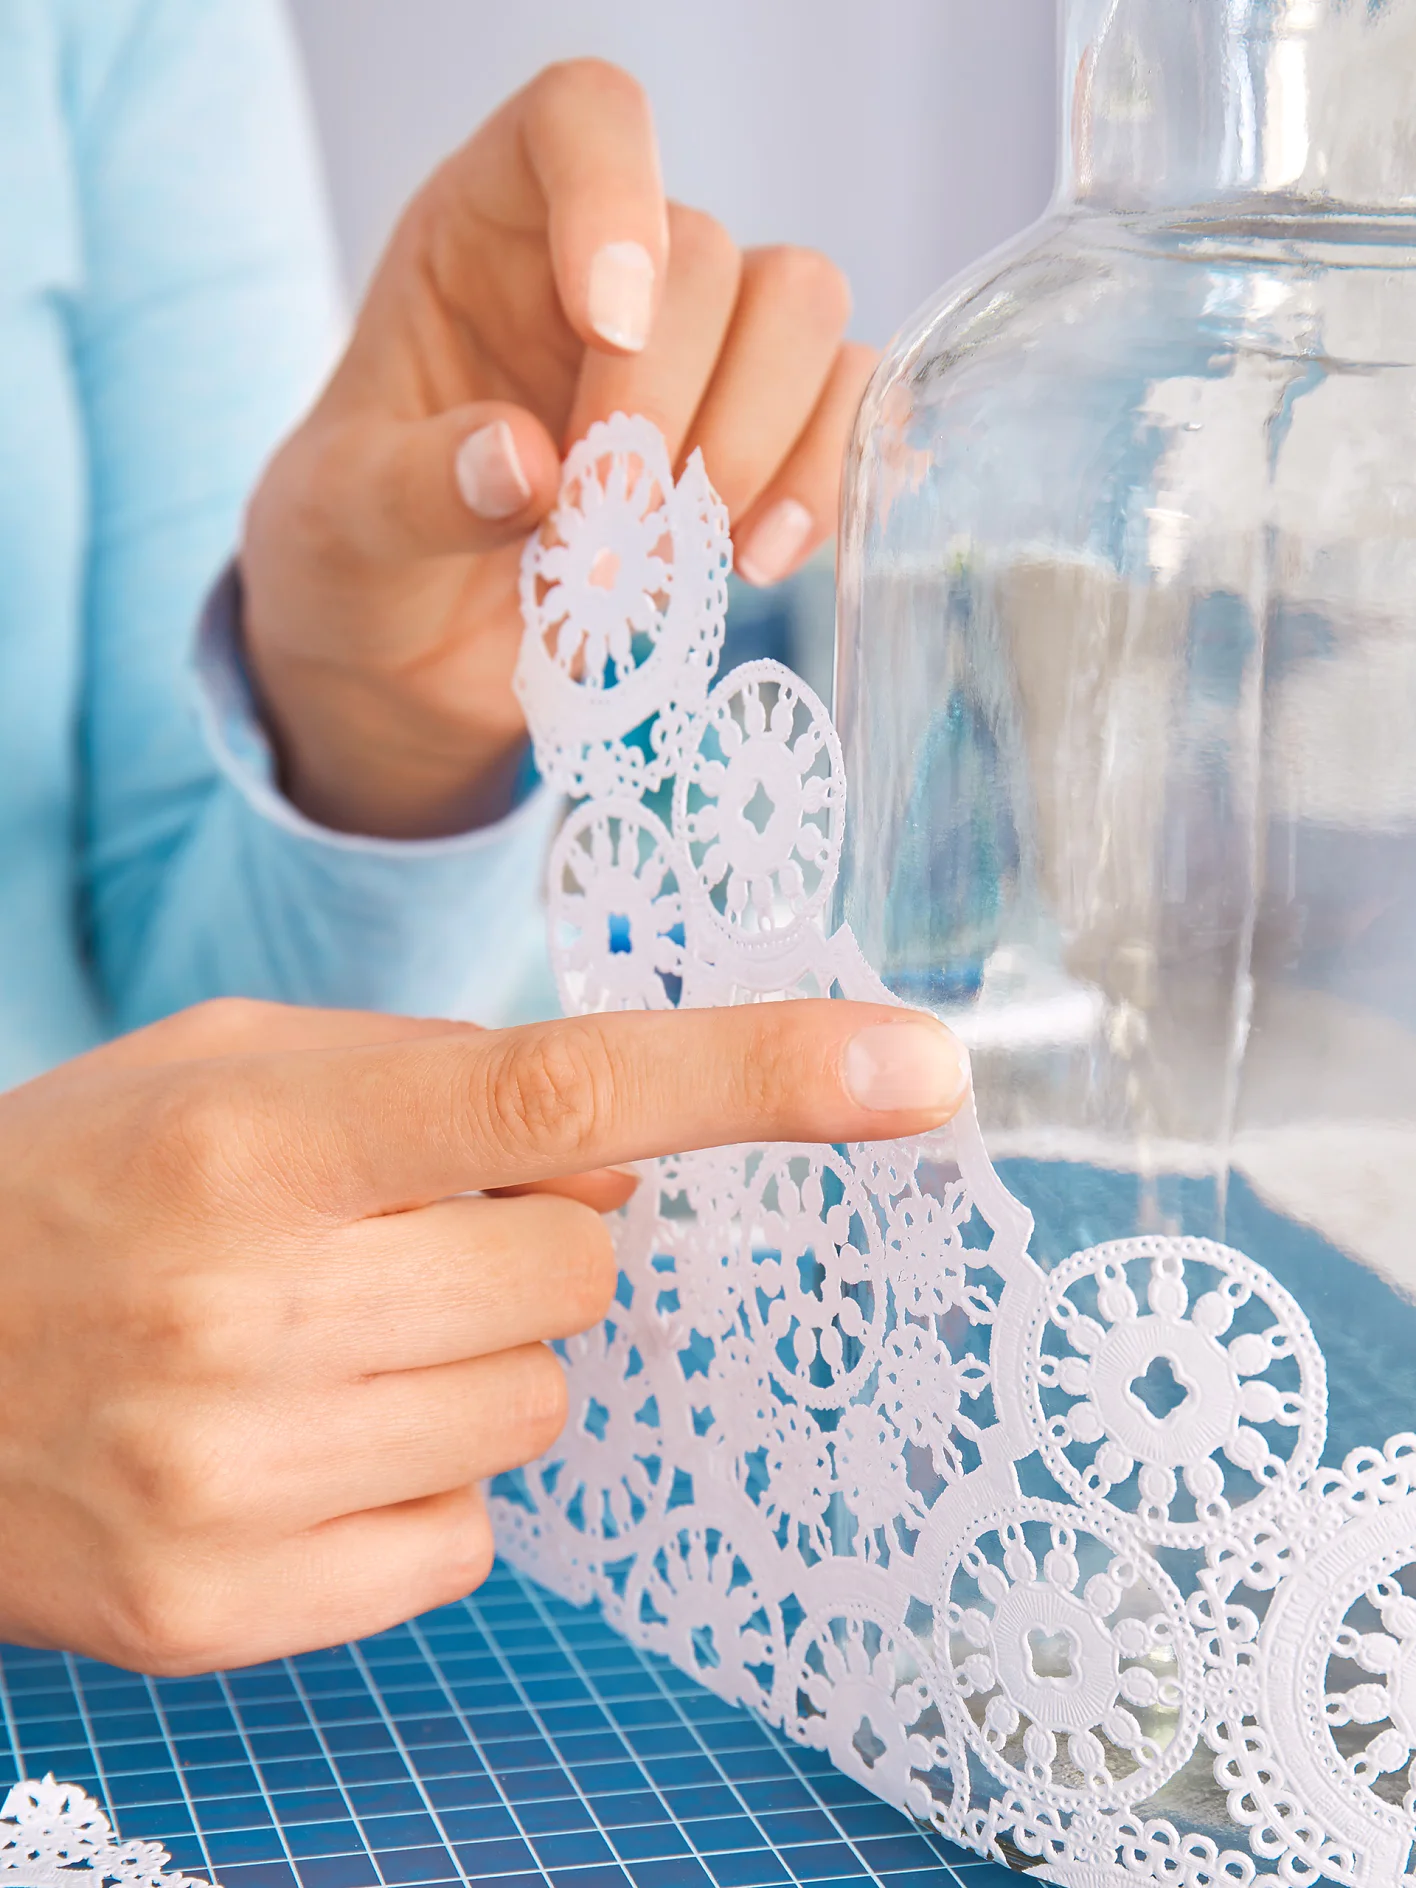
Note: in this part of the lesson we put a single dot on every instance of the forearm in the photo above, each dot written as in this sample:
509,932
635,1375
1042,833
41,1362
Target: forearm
256,899
252,909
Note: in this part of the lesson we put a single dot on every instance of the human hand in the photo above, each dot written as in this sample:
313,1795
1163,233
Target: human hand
259,1345
538,282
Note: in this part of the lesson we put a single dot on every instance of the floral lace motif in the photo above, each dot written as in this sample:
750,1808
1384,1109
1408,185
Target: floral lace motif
1042,1557
53,1836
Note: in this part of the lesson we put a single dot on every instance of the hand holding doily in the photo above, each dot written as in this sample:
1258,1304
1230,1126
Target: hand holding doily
537,281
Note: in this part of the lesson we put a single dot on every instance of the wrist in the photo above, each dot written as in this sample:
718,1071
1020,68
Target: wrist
354,755
384,684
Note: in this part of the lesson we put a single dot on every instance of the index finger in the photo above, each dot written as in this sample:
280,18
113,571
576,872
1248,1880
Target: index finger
379,1128
574,153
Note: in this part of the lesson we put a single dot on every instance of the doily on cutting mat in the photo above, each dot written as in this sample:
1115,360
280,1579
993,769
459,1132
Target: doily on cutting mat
53,1836
1172,1648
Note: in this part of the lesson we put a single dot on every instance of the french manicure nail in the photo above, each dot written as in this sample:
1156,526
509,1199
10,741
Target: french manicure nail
489,474
775,542
906,1067
622,294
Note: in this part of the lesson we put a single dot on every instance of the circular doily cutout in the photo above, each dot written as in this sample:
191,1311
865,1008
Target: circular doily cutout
866,1693
1070,1659
623,598
616,918
759,805
1175,1381
694,1596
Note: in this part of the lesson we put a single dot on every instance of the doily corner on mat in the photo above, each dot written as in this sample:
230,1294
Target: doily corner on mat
52,1835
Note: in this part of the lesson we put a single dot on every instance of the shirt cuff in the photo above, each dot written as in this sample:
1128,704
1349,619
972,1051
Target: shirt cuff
241,747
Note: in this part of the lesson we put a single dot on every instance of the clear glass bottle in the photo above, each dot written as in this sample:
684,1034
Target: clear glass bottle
1126,667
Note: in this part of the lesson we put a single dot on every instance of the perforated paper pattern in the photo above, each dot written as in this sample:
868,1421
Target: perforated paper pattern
54,1836
798,1448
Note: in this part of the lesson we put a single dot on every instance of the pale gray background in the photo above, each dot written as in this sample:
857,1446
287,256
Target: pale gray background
903,136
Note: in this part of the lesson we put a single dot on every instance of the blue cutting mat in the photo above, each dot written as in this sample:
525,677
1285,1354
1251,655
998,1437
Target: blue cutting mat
512,1739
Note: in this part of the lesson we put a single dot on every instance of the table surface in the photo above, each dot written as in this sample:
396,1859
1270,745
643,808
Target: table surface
511,1739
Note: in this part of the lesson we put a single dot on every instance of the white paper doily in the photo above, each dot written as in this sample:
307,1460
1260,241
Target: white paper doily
53,1836
803,1453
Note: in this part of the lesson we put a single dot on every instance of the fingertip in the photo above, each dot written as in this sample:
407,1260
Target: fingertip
470,1551
589,136
621,293
605,1189
776,543
608,1189
859,360
505,468
489,472
909,1064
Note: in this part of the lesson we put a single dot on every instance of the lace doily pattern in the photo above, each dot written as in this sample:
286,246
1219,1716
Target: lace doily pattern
624,597
1177,1381
53,1836
1043,1557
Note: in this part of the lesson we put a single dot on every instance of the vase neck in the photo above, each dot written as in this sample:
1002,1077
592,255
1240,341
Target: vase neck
1178,104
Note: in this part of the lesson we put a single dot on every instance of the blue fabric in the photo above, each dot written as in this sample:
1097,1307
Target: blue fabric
167,306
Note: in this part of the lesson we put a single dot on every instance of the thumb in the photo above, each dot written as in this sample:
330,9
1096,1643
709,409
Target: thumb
471,479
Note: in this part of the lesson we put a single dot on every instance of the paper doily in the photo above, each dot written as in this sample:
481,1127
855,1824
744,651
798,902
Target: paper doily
53,1836
805,1452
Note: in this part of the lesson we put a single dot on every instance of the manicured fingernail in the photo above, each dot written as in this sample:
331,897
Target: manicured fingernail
906,1067
775,542
622,294
489,474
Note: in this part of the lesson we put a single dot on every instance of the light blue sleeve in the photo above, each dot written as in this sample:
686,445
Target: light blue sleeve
206,318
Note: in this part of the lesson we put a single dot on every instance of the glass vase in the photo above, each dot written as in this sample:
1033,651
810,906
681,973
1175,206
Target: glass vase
1126,681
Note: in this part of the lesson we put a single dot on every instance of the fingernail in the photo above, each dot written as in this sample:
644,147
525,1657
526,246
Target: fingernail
489,474
775,542
622,294
906,1067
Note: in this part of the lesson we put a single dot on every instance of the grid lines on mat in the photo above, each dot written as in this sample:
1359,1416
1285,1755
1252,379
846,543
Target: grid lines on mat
511,1740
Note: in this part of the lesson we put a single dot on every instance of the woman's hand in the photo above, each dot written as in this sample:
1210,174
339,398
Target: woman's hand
260,1346
538,282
